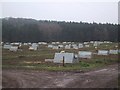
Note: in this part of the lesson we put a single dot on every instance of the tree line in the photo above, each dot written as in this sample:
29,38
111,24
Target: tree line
31,30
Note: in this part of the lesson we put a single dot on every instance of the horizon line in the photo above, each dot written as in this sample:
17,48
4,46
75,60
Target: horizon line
62,20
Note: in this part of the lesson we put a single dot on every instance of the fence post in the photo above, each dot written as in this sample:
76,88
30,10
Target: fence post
63,61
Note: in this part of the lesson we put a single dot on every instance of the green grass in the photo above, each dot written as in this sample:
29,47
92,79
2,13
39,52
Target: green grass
67,67
83,65
35,60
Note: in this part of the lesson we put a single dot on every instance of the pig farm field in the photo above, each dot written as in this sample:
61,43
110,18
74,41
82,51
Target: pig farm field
26,67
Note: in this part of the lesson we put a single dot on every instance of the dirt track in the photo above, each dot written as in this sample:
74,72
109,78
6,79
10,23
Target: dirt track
102,78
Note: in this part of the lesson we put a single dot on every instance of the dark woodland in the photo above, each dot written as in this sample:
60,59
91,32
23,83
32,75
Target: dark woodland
30,30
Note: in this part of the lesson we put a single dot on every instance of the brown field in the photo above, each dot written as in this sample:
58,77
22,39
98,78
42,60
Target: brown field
106,77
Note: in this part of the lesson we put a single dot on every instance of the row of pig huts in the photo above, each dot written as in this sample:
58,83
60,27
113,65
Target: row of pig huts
69,57
54,45
16,46
57,43
73,58
34,46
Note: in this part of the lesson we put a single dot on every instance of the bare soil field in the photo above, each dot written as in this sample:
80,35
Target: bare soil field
106,77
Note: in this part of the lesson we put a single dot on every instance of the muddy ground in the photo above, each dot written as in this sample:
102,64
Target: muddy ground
106,77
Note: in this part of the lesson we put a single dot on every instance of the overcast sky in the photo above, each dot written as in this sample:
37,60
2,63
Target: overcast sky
100,12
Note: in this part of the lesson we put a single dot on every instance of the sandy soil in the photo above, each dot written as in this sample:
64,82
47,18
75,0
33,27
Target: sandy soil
103,78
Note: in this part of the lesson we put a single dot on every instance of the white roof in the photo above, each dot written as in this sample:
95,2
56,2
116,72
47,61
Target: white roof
13,48
25,43
55,47
91,41
85,54
53,42
68,58
67,46
61,46
57,42
80,45
44,43
64,42
113,51
102,52
1,42
34,44
86,42
95,44
87,45
7,46
50,46
15,43
75,47
32,48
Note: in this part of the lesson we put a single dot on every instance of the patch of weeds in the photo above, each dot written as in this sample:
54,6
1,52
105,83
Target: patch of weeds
84,64
21,56
99,61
